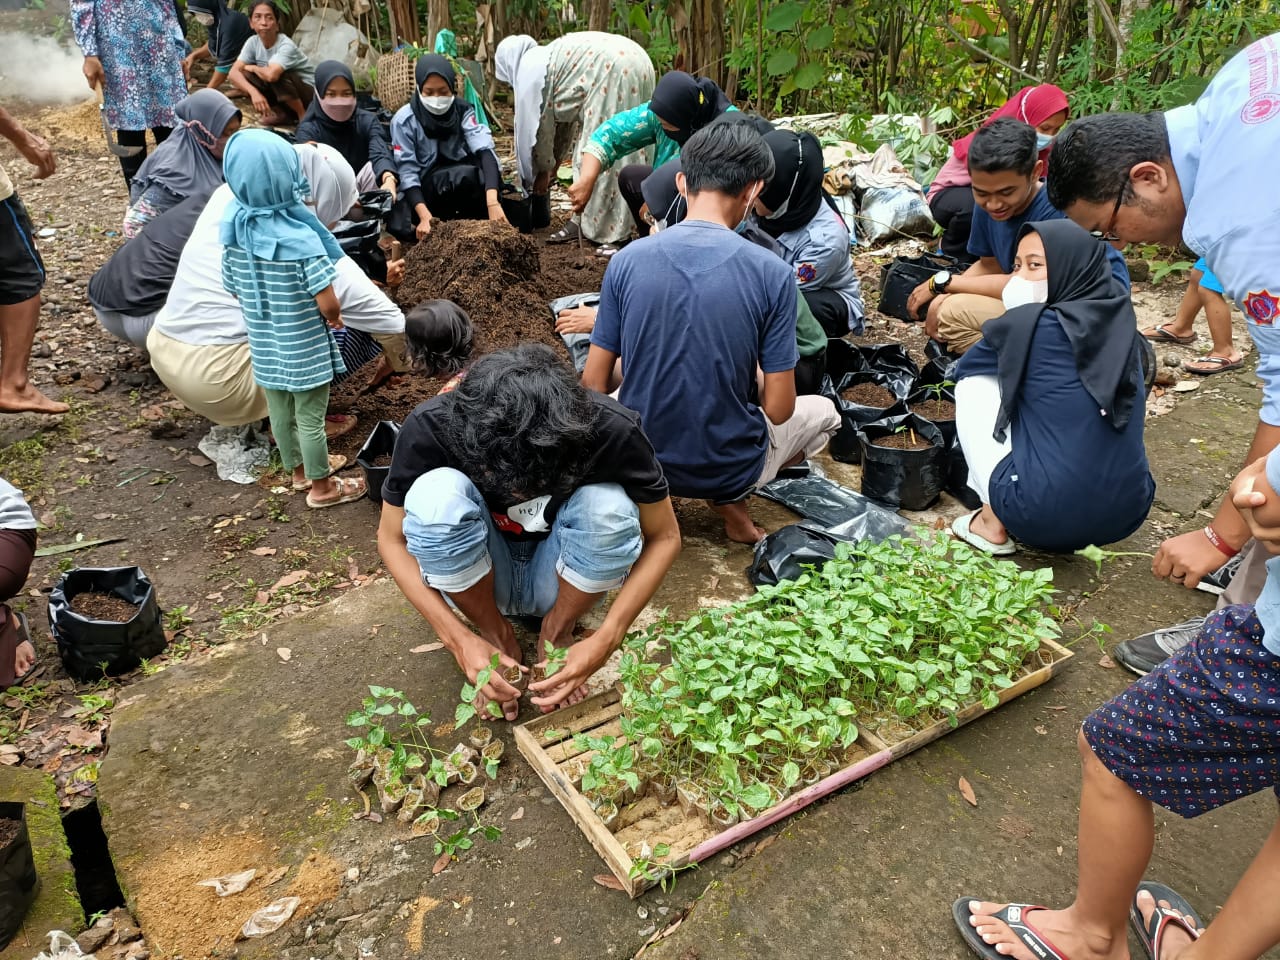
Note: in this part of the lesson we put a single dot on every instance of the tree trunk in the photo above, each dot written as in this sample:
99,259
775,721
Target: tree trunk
699,29
437,19
598,15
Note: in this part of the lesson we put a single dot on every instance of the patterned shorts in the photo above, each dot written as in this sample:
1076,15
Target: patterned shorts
1203,728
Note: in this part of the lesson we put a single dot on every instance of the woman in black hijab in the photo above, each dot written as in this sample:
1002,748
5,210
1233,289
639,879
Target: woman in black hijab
334,118
813,237
1050,403
445,161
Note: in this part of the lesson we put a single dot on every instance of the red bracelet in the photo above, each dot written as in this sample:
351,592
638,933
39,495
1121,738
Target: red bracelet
1222,545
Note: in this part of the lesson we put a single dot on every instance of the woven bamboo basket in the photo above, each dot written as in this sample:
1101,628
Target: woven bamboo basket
395,80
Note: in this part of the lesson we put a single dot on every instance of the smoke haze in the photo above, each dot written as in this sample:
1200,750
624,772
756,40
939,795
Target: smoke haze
40,70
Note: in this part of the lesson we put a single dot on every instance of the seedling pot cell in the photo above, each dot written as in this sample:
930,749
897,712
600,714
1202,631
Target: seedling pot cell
547,744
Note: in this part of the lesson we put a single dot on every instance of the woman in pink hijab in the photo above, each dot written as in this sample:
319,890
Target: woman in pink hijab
1044,107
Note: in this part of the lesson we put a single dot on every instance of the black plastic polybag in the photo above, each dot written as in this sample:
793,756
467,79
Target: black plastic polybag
19,883
783,554
958,478
375,204
899,278
838,509
91,647
937,392
938,370
517,207
382,440
911,479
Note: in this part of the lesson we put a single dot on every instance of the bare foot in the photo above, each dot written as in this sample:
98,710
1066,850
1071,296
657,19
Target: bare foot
23,659
1175,939
382,372
28,400
1059,927
738,525
576,697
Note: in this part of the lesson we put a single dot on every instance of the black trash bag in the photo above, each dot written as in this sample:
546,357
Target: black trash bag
382,441
784,554
899,278
517,206
19,882
844,446
375,204
835,508
893,363
936,392
911,479
937,370
88,647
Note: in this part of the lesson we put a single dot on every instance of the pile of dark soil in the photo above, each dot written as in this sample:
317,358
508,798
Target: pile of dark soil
502,278
382,460
869,395
8,830
935,409
103,606
903,441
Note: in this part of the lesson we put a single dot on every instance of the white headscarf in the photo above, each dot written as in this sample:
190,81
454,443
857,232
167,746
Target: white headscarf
333,182
521,63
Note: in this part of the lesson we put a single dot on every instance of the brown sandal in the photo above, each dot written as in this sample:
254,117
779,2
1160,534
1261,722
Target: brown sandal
349,489
336,462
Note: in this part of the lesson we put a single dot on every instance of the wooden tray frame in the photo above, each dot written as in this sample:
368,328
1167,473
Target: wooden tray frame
604,708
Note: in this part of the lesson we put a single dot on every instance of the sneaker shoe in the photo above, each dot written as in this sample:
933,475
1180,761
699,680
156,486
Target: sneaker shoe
1220,579
1143,654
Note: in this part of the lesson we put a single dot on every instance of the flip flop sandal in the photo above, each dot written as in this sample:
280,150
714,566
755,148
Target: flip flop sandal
1149,935
1223,365
24,636
960,527
349,489
566,234
336,462
1161,335
607,249
1015,916
341,424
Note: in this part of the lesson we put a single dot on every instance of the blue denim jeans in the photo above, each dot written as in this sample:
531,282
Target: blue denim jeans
594,541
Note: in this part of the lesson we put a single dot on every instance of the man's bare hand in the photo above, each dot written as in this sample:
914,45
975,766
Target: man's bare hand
1252,503
576,320
1186,559
918,300
92,70
38,154
476,654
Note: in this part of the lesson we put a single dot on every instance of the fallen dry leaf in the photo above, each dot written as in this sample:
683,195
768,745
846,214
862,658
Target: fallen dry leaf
87,739
284,653
153,412
263,551
196,460
290,580
103,516
261,597
766,842
608,880
353,568
966,791
442,862
1042,730
518,815
275,876
427,647
1107,663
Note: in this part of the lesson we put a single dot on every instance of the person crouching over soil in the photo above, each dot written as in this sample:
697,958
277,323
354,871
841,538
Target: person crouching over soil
272,71
520,493
277,260
1200,730
445,160
1050,403
439,338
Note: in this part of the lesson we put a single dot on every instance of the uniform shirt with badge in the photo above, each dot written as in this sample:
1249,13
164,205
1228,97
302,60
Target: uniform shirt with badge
1224,149
619,453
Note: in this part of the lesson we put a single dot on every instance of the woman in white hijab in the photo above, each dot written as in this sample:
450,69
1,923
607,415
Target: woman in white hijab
563,91
199,344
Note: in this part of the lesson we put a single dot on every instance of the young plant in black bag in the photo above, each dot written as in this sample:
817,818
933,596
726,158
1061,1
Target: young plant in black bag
865,384
904,461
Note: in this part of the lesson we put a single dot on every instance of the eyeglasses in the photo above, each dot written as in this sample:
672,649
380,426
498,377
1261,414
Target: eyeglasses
1106,235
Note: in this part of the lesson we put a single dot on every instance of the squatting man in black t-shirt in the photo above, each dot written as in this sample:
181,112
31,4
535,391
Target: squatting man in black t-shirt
521,493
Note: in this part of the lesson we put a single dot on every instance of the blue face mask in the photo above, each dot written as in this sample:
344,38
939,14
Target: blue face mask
1043,140
751,205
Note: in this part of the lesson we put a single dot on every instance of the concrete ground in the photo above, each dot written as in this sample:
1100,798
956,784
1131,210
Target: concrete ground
238,762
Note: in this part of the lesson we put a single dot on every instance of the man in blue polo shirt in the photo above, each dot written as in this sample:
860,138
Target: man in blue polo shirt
1197,174
704,323
1008,191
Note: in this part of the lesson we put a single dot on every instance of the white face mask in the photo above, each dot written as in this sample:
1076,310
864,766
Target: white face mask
437,105
204,19
1043,140
1020,291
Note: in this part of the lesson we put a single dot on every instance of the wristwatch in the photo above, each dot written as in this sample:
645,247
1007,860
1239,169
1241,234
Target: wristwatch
939,282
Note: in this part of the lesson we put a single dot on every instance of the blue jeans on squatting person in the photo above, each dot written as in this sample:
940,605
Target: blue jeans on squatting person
592,543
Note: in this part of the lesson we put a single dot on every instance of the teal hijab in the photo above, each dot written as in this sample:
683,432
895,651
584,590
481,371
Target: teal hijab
267,217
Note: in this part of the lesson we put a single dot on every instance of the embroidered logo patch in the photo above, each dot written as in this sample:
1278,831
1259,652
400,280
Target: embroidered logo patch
1262,307
806,273
1261,108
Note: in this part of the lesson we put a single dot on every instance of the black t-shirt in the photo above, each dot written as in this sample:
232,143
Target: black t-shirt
619,453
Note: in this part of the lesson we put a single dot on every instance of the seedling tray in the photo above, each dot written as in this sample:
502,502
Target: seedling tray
547,744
